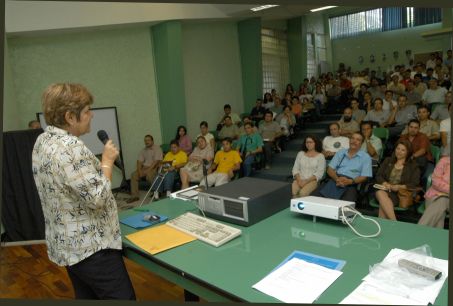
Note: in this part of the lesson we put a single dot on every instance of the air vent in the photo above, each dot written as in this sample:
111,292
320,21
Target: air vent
234,209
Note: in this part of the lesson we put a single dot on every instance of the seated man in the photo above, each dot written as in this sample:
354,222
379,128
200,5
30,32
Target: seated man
34,125
434,94
348,126
427,126
377,115
148,162
228,113
441,111
257,113
371,144
400,116
225,163
357,113
270,132
420,145
334,142
174,160
249,145
347,169
245,120
229,130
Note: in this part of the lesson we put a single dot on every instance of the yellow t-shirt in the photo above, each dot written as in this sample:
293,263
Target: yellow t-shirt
226,160
177,159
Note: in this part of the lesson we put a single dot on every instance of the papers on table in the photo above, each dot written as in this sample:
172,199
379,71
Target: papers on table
389,284
327,262
297,281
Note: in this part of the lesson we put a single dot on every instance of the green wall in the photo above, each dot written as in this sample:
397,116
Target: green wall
167,43
251,60
297,50
212,72
347,50
115,65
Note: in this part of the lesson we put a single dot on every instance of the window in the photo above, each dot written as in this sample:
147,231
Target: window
275,60
382,19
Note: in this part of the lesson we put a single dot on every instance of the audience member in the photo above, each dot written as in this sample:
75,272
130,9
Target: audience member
287,121
267,101
34,125
348,126
388,103
309,167
174,160
445,133
398,174
207,136
371,144
235,119
201,157
249,145
441,112
374,89
357,113
334,142
437,197
367,103
277,108
427,126
229,130
226,161
257,113
245,120
421,152
434,94
420,86
400,116
347,169
148,162
395,86
270,132
184,141
377,115
413,97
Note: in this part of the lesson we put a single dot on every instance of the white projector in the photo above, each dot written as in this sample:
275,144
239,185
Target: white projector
321,207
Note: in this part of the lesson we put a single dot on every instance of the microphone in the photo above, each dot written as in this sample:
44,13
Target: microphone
205,170
103,137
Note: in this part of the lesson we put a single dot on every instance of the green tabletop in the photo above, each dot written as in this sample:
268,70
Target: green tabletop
229,272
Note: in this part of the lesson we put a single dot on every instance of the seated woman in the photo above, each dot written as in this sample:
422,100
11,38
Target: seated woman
309,167
397,172
287,121
184,141
210,140
193,170
437,197
174,160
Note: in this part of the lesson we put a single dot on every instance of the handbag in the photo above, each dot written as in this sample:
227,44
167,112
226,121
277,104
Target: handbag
405,198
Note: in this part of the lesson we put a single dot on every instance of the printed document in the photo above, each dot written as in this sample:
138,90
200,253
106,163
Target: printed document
297,281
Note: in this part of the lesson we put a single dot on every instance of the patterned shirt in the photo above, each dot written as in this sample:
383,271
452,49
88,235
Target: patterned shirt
80,212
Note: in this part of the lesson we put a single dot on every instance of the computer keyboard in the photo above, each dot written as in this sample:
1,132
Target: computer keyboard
207,230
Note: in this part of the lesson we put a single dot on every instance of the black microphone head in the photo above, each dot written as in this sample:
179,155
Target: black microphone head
103,137
205,161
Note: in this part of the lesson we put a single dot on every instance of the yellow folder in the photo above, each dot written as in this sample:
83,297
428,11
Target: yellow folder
159,238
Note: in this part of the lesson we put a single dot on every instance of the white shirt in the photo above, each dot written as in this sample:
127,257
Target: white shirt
306,166
335,144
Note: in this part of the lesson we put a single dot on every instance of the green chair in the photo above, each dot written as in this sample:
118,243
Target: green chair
382,133
435,152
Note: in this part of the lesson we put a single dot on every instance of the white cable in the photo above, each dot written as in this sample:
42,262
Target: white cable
357,213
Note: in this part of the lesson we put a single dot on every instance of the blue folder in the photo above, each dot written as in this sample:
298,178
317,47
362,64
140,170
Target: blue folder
331,263
136,221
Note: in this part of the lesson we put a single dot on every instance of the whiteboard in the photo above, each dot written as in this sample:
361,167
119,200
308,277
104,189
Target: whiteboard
104,118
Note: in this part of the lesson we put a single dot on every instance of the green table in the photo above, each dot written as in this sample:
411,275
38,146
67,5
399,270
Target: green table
227,273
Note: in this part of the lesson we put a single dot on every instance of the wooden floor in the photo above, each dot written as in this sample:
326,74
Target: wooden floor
27,273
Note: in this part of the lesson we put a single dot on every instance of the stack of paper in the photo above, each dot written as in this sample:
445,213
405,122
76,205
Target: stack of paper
384,288
297,281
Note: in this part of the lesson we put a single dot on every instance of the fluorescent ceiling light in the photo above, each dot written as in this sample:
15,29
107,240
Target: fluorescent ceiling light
262,7
322,8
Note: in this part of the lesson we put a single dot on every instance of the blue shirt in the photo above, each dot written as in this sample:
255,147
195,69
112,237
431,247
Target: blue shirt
248,143
358,165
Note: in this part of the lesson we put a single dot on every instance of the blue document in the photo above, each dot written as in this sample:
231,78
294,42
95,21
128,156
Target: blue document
137,221
331,263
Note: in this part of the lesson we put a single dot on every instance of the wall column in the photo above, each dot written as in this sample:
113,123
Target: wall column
167,47
251,61
297,50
